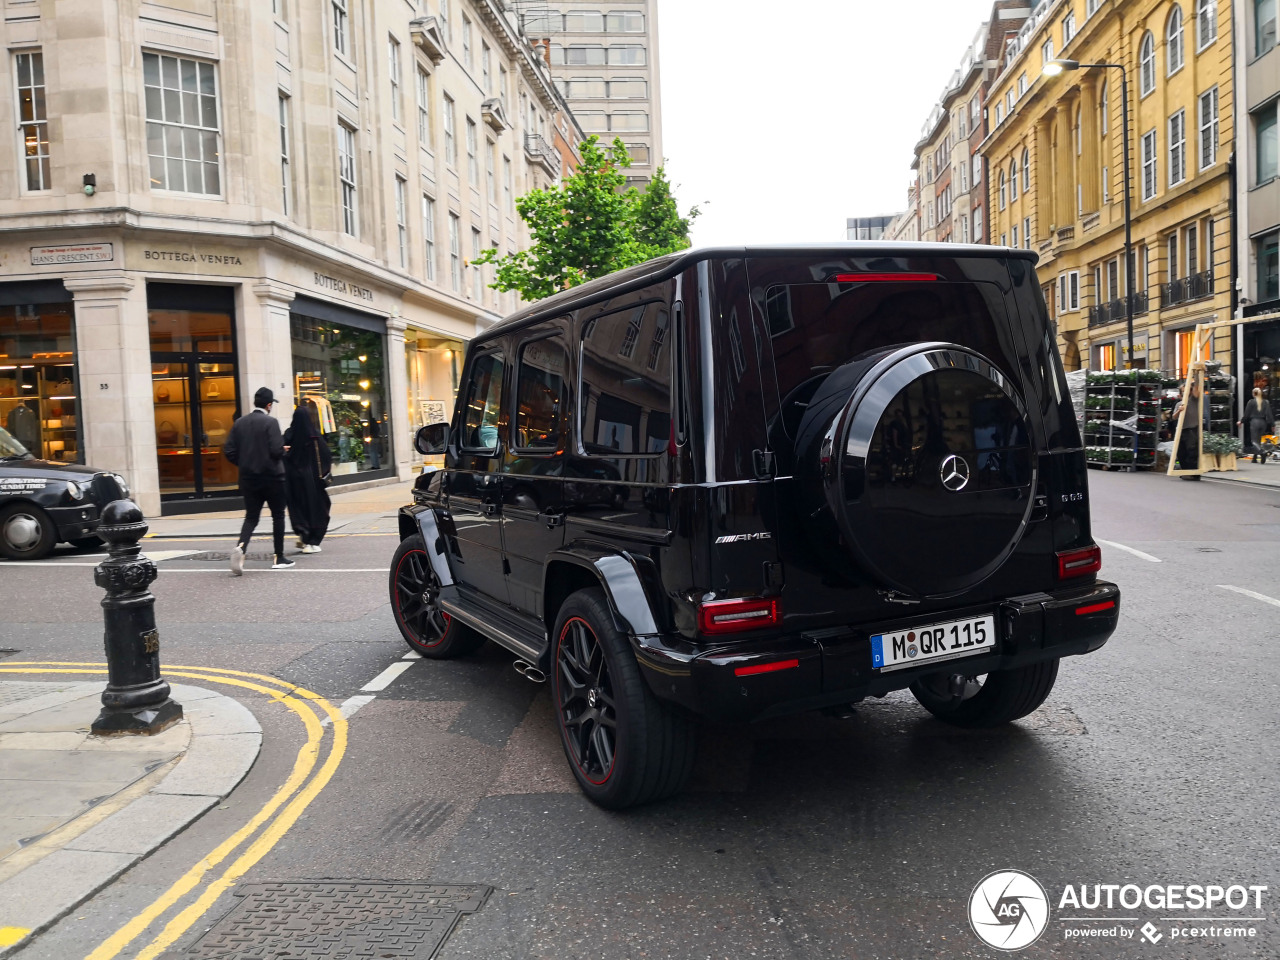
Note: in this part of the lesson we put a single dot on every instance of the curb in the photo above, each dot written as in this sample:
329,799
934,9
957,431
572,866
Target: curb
215,762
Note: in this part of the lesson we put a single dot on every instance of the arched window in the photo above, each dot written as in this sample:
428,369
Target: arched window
1013,181
1103,106
1004,191
1173,40
1206,23
1026,170
1147,64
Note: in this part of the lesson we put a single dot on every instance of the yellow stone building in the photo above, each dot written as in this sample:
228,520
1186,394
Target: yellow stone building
1055,169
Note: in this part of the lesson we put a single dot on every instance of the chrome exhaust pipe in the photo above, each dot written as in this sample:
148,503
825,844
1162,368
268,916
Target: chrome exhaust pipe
529,671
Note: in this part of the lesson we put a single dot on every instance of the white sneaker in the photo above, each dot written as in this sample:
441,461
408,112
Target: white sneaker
237,561
311,548
283,563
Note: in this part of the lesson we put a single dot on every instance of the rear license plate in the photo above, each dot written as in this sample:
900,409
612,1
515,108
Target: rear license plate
932,643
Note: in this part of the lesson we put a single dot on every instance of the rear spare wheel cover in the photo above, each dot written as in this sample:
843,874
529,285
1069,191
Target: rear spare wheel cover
933,485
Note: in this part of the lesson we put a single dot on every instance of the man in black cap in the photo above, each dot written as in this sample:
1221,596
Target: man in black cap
256,446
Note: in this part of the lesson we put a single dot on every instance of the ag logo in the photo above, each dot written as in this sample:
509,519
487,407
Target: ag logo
1008,910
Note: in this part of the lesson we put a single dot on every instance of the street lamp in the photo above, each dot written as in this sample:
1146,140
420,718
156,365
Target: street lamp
1052,69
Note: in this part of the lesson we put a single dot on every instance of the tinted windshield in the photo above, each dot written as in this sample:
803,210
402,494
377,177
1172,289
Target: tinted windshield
10,447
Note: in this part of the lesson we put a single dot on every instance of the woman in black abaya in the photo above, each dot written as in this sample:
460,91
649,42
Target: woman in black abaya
306,469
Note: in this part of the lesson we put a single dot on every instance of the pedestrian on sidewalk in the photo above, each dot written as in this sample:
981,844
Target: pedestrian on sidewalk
1258,421
306,470
257,448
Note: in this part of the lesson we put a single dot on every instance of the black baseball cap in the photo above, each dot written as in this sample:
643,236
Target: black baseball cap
264,397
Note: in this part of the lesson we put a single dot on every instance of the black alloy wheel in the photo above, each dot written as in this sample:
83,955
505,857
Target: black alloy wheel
989,700
624,745
26,532
415,599
587,711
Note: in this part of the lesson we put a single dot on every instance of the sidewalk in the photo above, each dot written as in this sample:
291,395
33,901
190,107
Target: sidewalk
76,810
352,512
1254,474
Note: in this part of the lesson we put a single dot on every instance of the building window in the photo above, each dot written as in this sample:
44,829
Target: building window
1265,132
1091,7
624,22
1208,113
1013,181
1068,29
347,177
402,221
466,42
341,41
485,67
1069,291
1147,64
1206,23
455,252
1046,53
1009,102
473,161
33,119
424,108
977,224
1026,232
1106,184
977,169
1177,148
1193,250
1171,244
477,277
508,194
1103,119
1264,25
1004,191
428,237
964,229
182,124
450,132
491,172
1268,248
1148,165
445,23
1173,41
1026,170
284,153
393,69
1013,236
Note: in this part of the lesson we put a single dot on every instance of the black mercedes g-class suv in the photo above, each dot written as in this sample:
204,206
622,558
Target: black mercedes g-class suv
739,483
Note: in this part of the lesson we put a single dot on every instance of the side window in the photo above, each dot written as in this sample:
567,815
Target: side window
626,382
542,398
482,413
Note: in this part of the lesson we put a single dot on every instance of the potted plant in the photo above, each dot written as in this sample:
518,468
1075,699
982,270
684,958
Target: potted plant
1223,447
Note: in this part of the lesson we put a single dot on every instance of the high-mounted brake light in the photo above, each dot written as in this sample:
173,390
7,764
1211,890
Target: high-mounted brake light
885,277
766,668
735,616
1095,608
1079,563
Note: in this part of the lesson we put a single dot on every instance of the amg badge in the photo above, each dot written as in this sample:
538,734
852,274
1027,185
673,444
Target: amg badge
739,537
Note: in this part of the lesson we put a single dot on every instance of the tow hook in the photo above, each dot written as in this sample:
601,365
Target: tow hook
529,671
957,685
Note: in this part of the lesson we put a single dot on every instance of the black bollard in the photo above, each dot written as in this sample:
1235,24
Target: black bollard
136,700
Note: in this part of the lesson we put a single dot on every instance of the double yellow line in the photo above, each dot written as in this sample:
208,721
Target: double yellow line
263,831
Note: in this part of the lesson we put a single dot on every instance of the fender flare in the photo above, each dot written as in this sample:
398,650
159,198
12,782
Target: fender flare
423,520
619,575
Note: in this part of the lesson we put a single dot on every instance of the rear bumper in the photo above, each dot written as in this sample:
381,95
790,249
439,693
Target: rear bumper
833,666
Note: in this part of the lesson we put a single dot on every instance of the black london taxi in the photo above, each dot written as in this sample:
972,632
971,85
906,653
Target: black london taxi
43,502
825,473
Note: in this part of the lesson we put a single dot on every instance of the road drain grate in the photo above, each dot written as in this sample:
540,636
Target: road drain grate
338,920
220,557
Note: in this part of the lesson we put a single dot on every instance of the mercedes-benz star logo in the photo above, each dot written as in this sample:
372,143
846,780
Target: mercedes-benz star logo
955,473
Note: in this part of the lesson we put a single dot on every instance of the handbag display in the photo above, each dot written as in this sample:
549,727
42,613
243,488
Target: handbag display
214,393
167,434
162,394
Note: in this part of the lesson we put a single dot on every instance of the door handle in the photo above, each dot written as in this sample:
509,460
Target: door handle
554,520
490,509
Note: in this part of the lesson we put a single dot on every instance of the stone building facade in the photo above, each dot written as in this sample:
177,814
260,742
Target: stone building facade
208,197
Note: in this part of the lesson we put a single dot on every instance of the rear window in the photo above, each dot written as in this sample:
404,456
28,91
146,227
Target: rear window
626,382
816,327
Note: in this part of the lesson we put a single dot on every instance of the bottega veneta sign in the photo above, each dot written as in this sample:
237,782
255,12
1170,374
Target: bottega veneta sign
341,286
187,256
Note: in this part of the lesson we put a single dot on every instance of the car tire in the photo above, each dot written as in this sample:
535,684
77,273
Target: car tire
415,593
87,543
624,745
1001,697
26,532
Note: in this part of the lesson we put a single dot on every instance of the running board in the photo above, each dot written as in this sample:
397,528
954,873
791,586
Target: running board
499,629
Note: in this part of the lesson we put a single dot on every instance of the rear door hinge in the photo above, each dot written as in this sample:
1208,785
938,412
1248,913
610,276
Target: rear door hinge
763,462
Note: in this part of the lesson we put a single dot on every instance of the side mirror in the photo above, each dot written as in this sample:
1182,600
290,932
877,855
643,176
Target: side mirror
432,440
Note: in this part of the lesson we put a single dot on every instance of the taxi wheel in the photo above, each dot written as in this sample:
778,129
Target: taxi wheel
990,701
26,532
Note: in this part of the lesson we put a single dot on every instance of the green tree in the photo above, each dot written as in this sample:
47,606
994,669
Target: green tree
589,226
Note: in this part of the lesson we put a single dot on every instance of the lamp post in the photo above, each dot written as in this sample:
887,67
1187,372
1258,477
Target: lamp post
1052,69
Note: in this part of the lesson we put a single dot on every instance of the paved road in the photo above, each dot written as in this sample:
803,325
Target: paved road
1155,762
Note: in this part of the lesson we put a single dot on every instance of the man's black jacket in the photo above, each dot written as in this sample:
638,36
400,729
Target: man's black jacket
256,446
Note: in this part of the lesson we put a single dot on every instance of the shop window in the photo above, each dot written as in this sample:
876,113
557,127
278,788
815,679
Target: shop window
39,403
341,368
182,124
542,399
1107,356
626,405
1268,267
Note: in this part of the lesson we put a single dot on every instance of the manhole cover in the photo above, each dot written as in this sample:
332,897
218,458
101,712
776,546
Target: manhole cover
1207,550
221,557
350,920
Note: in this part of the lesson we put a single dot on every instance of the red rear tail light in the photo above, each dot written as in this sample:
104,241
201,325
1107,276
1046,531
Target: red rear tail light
760,668
1079,563
885,277
1095,608
735,616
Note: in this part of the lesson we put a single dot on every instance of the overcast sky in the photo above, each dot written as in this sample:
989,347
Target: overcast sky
783,119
